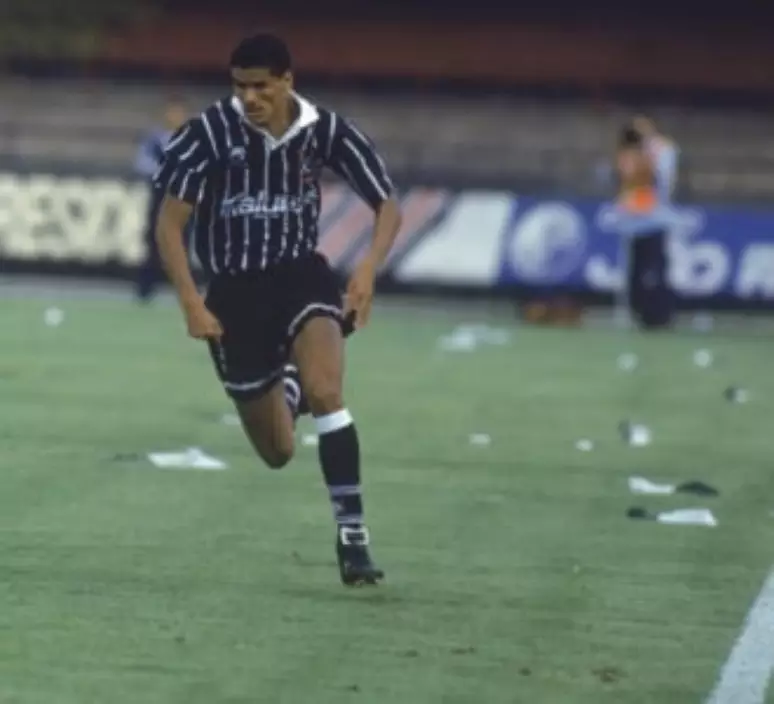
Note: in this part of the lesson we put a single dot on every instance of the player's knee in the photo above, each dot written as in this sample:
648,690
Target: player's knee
275,451
278,458
324,397
279,454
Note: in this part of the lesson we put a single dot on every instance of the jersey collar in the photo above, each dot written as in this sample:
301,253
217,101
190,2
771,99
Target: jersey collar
307,115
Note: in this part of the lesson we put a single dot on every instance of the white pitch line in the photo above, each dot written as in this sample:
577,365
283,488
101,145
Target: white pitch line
746,673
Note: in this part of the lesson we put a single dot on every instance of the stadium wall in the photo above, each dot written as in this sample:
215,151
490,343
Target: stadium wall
585,51
493,243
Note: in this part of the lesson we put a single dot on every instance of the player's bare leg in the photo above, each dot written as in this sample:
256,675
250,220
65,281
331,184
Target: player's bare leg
318,349
268,423
291,377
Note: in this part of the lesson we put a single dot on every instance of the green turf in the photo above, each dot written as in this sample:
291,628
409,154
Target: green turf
513,575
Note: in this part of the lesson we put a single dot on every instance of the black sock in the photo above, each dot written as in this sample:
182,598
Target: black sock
340,460
292,384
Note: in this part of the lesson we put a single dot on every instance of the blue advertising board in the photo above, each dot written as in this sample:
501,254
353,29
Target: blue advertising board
714,251
471,240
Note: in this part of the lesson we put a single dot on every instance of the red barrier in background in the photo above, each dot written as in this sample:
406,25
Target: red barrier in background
505,52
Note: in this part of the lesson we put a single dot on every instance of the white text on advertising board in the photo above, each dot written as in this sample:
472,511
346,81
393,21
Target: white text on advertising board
77,219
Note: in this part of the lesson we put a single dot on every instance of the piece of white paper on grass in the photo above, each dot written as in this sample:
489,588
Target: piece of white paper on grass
190,458
688,517
640,485
628,362
640,436
466,338
678,517
53,317
635,434
703,358
480,439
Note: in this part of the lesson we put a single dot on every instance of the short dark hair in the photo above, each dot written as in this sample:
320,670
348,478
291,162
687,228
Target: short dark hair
630,137
262,51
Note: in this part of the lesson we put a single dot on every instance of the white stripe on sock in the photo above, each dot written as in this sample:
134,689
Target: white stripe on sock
333,421
344,490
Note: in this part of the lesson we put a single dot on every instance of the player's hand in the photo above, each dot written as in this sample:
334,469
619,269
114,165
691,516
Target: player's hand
360,293
202,324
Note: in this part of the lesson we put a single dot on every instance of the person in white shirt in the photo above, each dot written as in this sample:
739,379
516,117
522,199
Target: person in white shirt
664,154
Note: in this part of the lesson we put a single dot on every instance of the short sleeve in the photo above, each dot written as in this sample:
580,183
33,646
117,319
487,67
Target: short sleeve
353,156
184,163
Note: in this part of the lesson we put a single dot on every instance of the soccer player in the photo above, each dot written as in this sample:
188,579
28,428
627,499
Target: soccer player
247,171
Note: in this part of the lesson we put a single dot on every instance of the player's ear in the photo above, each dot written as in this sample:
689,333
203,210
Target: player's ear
287,79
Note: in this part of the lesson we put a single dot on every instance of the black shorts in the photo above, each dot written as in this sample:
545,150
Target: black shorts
261,313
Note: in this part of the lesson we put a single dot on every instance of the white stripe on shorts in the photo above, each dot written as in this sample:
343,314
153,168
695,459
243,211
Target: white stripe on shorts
333,311
253,385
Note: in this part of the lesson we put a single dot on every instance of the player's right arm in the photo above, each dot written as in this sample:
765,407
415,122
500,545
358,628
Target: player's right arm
182,176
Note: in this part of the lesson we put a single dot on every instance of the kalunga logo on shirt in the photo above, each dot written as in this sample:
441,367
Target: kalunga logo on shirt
262,206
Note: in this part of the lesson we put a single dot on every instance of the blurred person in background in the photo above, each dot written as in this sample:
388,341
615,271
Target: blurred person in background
664,154
149,156
643,224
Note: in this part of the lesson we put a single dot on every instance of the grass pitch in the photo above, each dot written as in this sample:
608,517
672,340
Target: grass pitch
513,574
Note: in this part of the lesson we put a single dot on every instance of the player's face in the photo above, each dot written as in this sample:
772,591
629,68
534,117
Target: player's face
261,93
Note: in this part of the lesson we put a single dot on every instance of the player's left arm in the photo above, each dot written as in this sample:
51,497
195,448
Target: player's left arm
354,157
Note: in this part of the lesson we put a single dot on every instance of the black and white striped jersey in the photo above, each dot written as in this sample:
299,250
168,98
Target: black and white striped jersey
256,198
